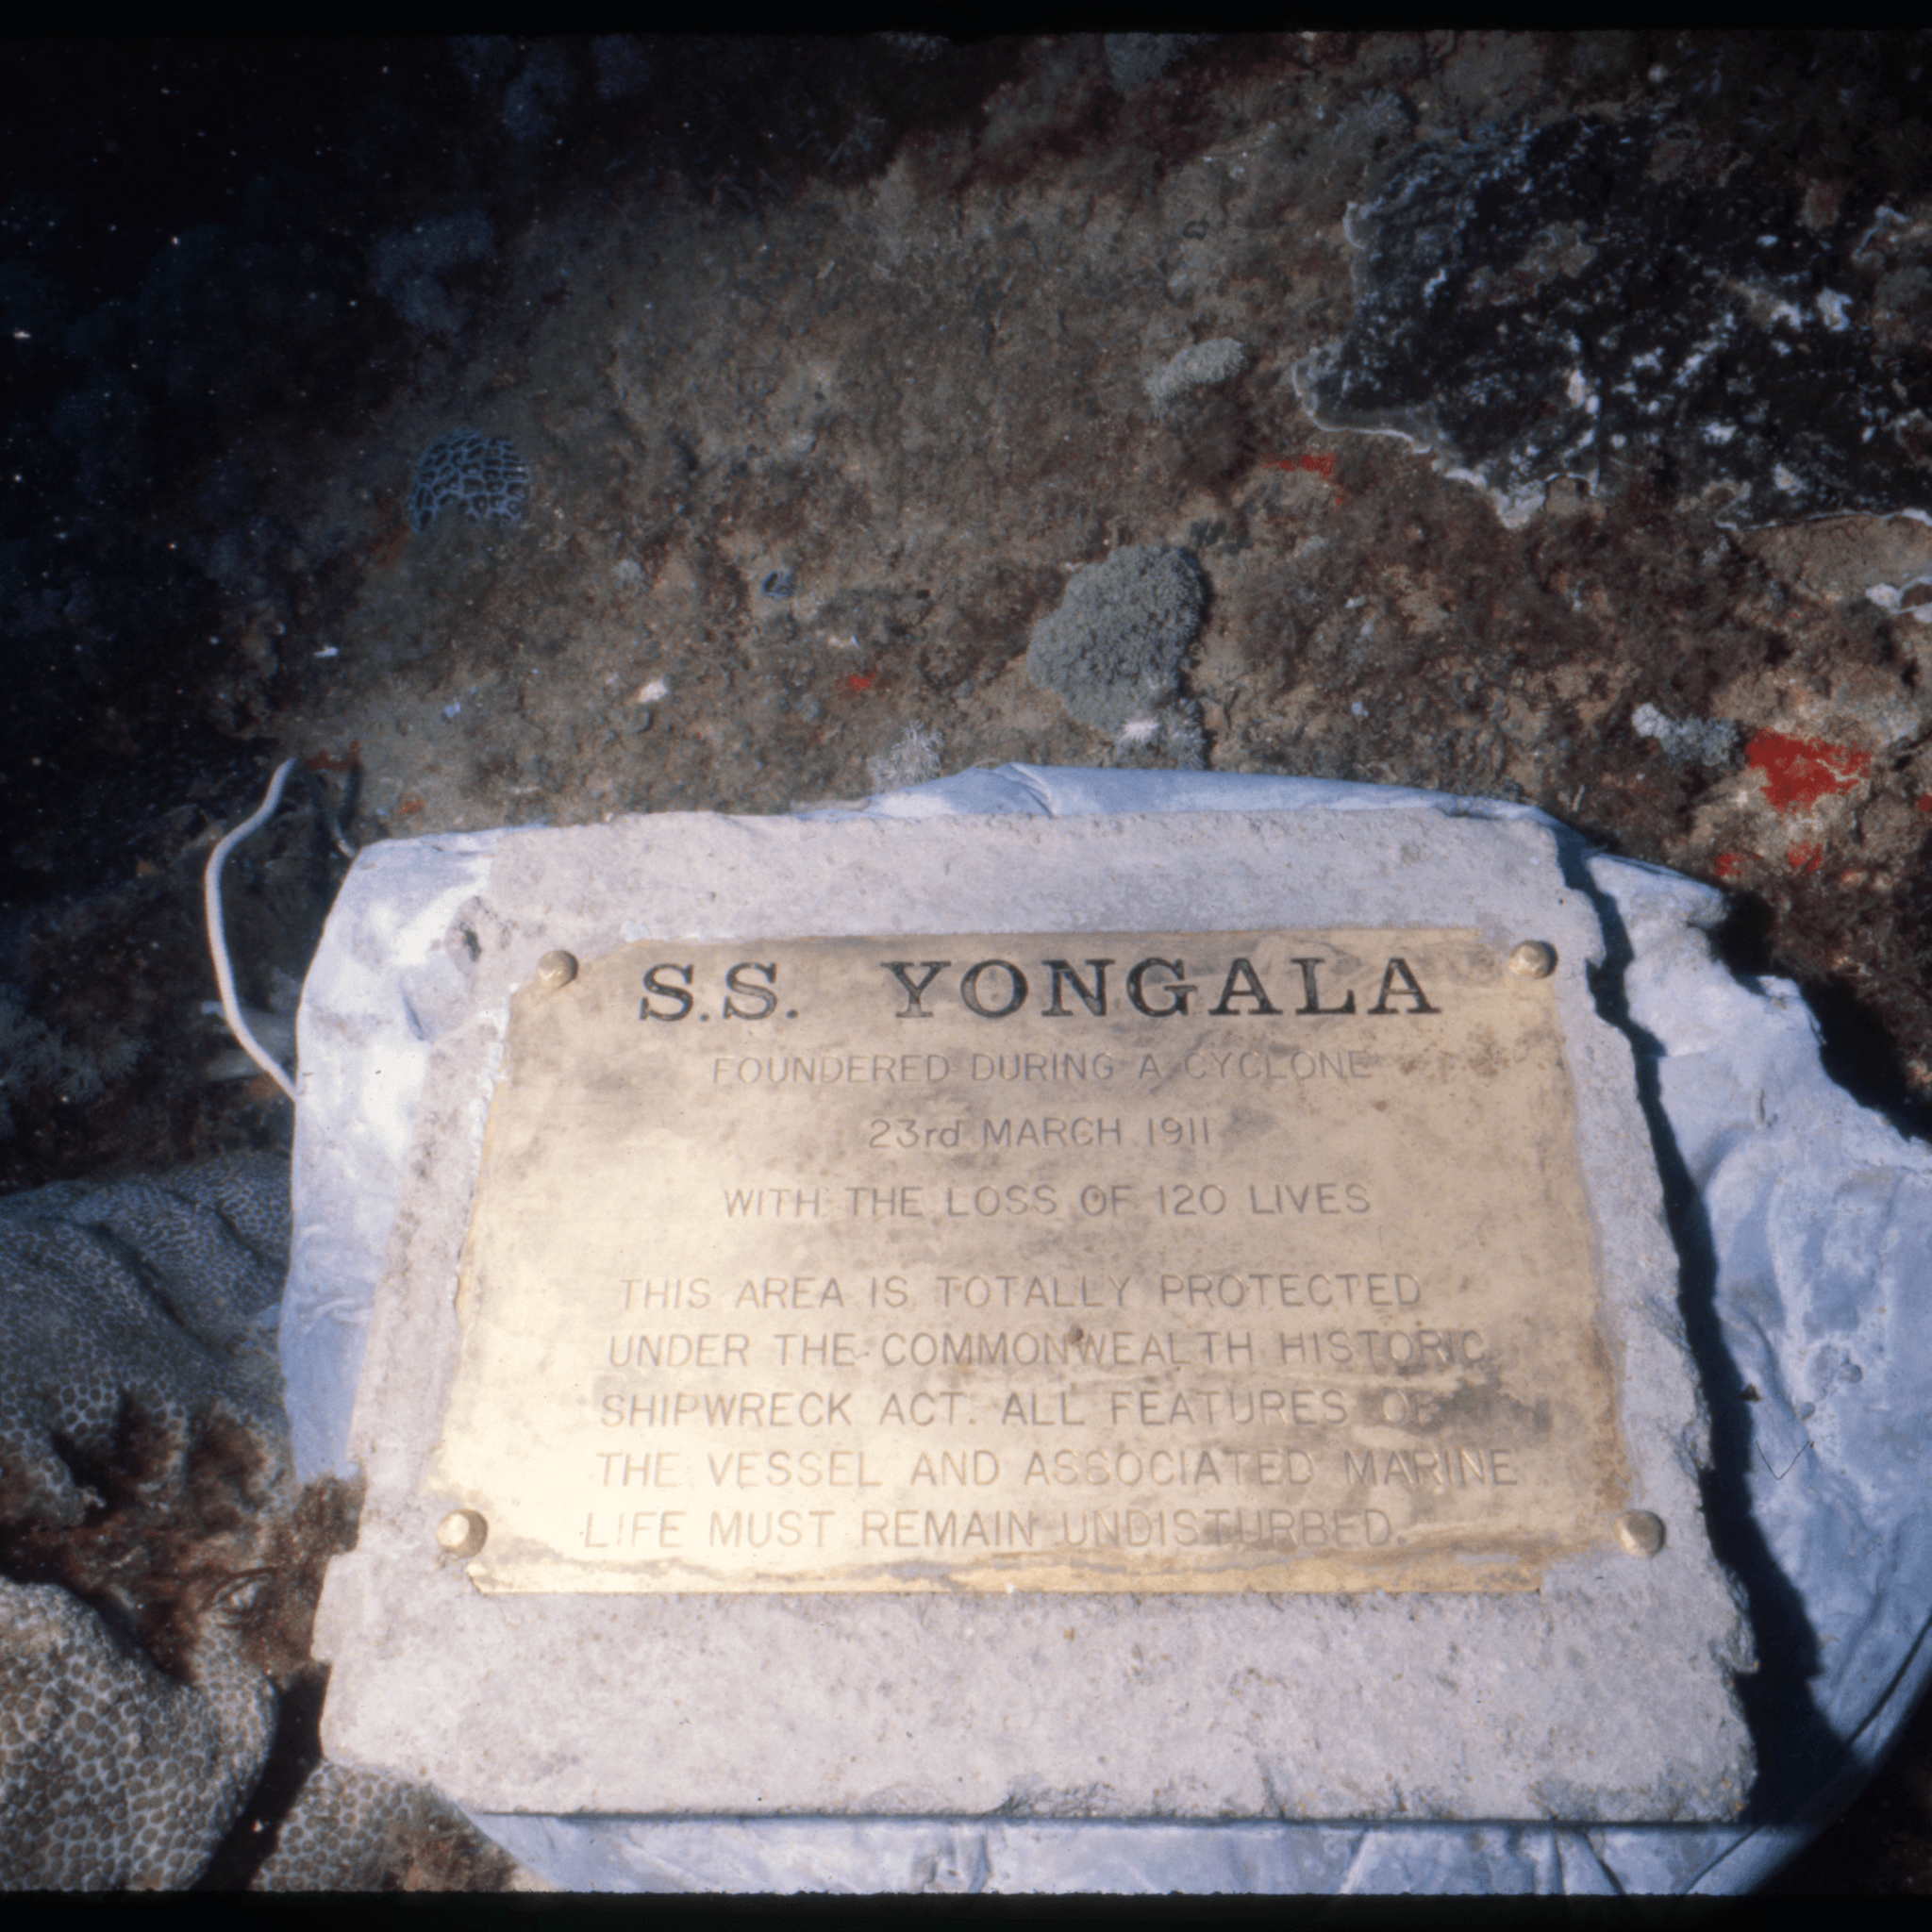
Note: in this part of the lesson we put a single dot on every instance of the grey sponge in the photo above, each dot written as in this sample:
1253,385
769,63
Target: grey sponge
1114,648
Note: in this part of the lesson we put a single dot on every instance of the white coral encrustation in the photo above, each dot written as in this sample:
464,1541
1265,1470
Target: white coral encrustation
913,760
1196,367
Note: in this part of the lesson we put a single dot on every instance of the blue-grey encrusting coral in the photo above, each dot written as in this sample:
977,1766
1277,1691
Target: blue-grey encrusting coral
350,1829
622,66
158,1294
533,99
134,1300
916,49
1115,648
531,83
107,428
156,1300
1579,299
485,475
203,308
113,1775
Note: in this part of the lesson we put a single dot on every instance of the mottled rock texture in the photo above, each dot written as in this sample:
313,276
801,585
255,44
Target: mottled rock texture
1593,298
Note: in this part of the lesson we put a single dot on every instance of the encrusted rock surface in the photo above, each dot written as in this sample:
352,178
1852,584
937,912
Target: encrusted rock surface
1200,366
1592,297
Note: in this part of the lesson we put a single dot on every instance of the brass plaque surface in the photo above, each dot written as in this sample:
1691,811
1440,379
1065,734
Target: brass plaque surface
1125,1261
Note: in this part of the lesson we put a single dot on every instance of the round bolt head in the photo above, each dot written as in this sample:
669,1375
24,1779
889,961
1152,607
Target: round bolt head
1640,1533
557,970
461,1533
1532,960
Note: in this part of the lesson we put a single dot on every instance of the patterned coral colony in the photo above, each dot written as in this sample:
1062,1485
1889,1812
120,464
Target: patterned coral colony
482,474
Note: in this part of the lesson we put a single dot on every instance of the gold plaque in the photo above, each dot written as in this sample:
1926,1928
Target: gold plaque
1091,1262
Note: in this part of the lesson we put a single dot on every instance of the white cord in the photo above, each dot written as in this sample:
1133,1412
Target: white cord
217,944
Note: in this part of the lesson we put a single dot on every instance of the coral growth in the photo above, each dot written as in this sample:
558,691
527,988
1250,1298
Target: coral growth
1115,648
912,760
485,475
160,1570
134,1356
351,1830
113,1775
1196,367
1688,741
159,1293
1578,299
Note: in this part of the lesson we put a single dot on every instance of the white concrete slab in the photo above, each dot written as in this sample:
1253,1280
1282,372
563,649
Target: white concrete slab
1606,1696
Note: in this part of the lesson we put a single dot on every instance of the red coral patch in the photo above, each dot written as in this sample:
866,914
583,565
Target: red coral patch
1322,466
1801,771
